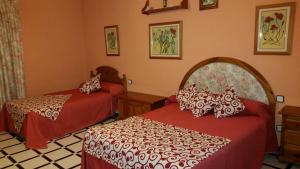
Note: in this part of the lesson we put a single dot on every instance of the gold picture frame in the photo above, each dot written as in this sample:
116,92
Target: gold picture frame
208,4
165,40
112,46
274,29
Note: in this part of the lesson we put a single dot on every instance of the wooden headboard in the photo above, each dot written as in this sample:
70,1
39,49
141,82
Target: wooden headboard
110,74
216,73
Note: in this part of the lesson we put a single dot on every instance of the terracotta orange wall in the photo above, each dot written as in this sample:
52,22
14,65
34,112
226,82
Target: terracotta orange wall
227,31
53,41
64,39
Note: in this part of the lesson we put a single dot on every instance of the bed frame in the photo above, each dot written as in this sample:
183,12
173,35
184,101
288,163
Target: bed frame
110,74
215,73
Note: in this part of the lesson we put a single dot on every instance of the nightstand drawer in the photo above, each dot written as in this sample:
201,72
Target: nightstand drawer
292,152
133,108
292,124
135,104
136,108
292,137
292,149
295,118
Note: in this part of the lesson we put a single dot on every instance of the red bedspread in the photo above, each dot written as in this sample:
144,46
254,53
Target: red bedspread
251,135
80,111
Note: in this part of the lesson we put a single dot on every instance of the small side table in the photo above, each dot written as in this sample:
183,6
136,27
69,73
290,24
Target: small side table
134,103
290,135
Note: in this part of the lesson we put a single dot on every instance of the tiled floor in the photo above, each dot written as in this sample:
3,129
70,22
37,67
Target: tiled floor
271,162
61,153
65,153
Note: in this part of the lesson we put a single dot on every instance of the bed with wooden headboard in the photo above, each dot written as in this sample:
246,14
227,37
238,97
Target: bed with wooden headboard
111,75
171,138
79,111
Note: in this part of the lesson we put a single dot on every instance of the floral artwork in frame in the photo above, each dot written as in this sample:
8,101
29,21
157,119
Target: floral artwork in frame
112,40
165,40
208,4
274,29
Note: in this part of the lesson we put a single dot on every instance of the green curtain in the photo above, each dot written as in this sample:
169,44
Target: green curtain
12,85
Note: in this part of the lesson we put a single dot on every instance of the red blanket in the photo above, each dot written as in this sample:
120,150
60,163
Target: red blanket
251,135
80,111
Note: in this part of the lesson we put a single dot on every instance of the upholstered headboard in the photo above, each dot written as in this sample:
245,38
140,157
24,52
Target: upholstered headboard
110,74
216,73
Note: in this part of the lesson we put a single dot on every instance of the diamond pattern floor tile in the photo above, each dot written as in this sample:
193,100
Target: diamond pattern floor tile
50,147
68,140
272,160
7,143
80,134
69,161
12,167
49,166
24,155
4,162
78,167
57,154
75,147
5,136
34,163
15,149
1,154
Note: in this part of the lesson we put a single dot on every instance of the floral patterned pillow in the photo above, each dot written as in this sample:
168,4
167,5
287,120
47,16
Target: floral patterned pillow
203,102
185,95
228,104
91,85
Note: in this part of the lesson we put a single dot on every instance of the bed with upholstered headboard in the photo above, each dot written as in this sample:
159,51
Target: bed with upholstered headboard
172,138
53,115
218,72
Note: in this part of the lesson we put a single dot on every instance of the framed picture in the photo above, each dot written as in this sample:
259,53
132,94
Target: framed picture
112,40
208,4
165,40
274,29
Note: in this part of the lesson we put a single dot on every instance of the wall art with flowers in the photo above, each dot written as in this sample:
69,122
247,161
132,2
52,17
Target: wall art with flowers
112,40
165,40
274,28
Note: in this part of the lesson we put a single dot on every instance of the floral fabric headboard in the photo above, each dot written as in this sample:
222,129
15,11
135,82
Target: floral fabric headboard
216,73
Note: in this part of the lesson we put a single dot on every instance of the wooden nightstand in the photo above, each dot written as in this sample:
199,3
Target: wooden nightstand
290,135
133,103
